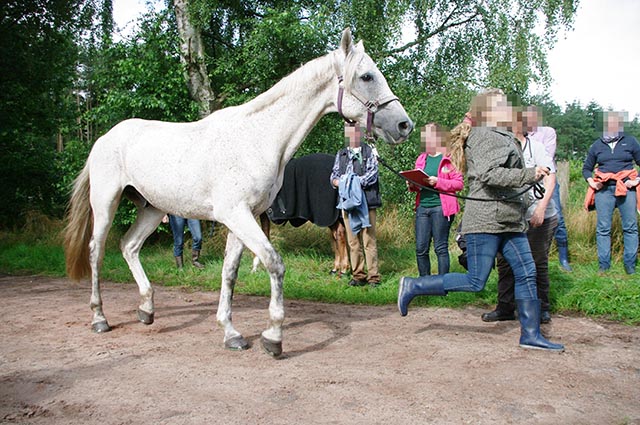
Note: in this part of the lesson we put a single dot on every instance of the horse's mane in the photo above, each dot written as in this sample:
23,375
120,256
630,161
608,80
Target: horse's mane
313,70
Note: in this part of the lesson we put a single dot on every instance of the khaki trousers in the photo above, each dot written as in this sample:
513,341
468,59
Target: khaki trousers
365,239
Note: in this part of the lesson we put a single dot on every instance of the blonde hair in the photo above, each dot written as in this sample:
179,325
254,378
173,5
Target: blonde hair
459,134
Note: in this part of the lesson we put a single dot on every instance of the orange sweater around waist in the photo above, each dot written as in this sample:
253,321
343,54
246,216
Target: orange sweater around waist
621,188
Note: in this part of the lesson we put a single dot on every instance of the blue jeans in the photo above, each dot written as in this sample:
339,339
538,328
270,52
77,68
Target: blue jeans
177,228
540,239
606,202
482,249
431,224
561,231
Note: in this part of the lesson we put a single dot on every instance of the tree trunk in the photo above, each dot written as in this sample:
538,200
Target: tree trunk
192,55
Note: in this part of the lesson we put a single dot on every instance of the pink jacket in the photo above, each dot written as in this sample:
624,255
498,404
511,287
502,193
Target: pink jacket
449,180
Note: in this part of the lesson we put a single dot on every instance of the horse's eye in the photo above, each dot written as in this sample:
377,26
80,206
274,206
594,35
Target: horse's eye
367,77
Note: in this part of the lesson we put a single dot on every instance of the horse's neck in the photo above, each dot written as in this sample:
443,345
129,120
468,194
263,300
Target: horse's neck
288,111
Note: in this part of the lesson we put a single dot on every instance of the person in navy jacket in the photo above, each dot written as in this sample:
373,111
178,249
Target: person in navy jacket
615,182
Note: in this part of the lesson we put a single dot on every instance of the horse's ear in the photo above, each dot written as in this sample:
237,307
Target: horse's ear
347,42
359,46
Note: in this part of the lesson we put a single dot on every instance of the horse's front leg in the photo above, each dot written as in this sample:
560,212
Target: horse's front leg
244,226
233,340
265,224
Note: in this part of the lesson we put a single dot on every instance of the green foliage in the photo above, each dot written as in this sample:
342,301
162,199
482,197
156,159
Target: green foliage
140,77
38,53
576,130
67,166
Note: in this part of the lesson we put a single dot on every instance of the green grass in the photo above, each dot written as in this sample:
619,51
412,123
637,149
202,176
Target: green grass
308,258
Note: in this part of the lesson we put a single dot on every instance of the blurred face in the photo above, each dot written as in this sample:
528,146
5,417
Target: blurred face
498,112
530,120
352,136
613,123
519,123
433,140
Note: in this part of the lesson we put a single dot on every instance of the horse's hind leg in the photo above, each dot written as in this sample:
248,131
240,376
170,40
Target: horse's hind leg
147,221
233,340
244,226
339,233
104,209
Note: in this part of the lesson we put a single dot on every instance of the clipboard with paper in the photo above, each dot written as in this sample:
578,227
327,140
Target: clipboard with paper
416,176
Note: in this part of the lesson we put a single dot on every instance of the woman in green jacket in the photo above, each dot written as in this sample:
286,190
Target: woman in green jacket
495,171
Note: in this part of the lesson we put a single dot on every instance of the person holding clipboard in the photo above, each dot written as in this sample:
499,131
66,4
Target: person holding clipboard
435,209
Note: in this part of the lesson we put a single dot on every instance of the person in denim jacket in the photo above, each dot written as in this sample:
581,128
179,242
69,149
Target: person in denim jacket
361,159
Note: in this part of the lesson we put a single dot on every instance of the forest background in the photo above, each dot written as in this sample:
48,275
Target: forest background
66,80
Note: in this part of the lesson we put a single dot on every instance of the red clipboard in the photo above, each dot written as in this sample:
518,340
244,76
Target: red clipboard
416,176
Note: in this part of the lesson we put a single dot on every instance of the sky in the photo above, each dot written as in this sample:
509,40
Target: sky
597,60
600,58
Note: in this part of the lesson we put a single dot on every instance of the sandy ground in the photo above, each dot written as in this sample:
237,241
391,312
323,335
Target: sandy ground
341,365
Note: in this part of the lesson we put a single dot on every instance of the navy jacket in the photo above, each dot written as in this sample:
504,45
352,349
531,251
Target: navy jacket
622,157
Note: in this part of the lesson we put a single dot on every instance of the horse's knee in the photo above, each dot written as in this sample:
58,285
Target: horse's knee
274,264
128,250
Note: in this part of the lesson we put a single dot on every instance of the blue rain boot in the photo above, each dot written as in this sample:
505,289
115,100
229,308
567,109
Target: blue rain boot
410,287
530,337
563,256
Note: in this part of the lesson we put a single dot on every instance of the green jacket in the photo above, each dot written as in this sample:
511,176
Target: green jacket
495,169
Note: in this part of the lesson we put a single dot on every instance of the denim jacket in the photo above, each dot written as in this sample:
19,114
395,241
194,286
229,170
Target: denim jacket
353,200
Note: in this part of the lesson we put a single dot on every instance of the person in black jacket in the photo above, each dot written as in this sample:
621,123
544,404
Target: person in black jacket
361,159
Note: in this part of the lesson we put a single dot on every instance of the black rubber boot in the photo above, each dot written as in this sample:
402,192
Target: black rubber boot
179,262
563,257
410,287
530,337
195,256
500,314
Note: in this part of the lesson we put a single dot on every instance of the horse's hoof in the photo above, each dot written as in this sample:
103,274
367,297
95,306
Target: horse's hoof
144,317
273,348
100,327
237,343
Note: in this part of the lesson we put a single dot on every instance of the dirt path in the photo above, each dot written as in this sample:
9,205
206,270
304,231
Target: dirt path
342,364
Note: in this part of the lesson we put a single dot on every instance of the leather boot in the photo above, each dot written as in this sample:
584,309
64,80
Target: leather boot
563,257
179,263
410,287
530,336
195,256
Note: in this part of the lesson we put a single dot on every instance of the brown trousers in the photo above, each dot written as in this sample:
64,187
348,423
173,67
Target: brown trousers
365,239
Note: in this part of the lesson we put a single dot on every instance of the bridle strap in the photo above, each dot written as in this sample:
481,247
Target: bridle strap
371,105
340,95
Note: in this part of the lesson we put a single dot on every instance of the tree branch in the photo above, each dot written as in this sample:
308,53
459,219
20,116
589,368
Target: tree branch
442,28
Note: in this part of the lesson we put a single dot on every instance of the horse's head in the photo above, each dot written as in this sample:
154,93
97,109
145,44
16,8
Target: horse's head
366,96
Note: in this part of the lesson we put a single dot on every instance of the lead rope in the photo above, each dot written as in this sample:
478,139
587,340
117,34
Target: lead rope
538,189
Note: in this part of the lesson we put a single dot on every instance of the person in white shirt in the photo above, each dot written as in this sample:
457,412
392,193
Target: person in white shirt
547,136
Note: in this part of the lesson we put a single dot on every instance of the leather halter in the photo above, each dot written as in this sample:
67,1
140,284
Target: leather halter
371,105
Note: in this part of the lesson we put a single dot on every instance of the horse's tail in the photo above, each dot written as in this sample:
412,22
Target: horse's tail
79,228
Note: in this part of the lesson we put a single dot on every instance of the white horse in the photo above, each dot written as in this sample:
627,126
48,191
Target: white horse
227,167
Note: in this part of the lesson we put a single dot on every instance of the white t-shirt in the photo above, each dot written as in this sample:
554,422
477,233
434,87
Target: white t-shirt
535,154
